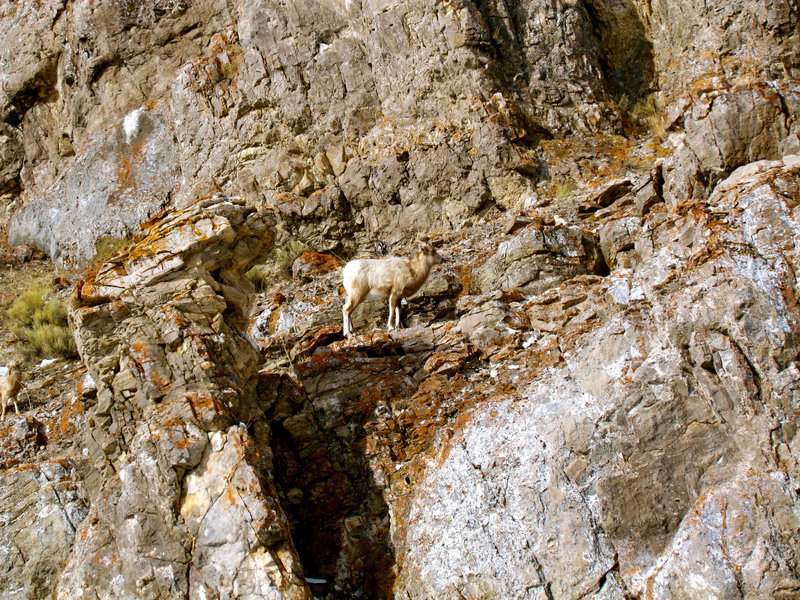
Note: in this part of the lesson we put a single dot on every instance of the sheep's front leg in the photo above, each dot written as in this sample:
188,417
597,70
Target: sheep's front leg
354,298
394,309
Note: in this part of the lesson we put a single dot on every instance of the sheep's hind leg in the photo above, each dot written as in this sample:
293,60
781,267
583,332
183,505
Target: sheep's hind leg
347,324
354,298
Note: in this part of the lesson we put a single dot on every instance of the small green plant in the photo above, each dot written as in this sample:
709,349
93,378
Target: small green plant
107,246
563,190
260,275
38,321
280,268
289,253
646,112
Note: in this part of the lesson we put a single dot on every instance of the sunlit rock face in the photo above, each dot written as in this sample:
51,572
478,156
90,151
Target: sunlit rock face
637,464
594,396
410,109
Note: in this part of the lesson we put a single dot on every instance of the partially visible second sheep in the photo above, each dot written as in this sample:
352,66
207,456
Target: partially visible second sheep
10,386
395,277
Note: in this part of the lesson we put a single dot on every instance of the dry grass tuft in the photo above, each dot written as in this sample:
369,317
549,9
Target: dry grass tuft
563,190
280,268
38,322
646,113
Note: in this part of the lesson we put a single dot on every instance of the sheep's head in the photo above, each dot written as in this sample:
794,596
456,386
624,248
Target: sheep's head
430,253
13,370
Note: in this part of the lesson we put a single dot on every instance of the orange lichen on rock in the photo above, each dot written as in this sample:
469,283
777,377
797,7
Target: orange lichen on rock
312,264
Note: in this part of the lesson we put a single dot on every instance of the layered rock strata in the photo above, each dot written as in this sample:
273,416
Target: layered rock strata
627,435
656,458
181,499
596,396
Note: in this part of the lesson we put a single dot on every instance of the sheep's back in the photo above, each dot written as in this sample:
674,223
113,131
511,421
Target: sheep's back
379,274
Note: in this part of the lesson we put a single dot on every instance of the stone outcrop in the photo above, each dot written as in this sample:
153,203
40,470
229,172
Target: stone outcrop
539,259
39,533
700,46
728,76
726,129
630,435
182,502
118,184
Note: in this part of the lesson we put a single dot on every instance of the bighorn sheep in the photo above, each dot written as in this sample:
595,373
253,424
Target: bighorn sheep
395,277
10,385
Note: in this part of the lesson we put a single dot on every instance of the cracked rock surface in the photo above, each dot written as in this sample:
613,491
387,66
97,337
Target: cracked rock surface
181,498
593,397
644,450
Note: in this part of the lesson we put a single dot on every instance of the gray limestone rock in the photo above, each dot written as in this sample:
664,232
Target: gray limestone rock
600,411
187,507
641,465
126,178
539,258
38,529
724,131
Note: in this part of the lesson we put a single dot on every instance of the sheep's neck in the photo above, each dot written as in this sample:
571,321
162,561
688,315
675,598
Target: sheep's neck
420,266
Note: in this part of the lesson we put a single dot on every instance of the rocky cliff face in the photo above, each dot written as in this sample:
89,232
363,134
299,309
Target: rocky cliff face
596,394
409,109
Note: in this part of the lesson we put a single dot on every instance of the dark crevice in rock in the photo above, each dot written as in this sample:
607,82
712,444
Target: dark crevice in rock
338,518
504,36
324,426
626,52
505,24
595,256
787,112
40,88
546,585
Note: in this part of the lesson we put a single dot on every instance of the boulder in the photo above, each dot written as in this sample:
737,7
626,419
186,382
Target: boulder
726,130
38,540
540,257
121,182
656,455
